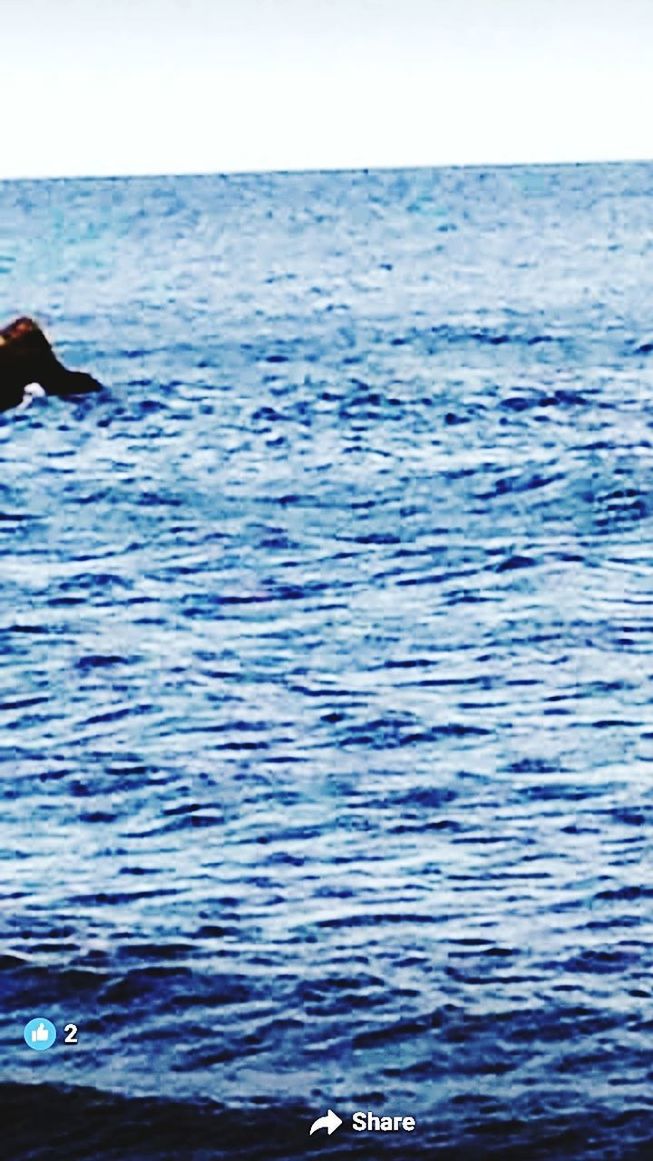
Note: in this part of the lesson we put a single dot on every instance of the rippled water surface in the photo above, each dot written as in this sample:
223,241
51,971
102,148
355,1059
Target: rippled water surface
325,665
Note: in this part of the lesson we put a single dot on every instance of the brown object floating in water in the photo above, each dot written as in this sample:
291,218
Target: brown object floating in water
26,357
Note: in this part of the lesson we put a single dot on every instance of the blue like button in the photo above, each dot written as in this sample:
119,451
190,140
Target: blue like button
40,1034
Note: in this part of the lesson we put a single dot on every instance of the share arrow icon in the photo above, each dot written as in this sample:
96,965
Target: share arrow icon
331,1122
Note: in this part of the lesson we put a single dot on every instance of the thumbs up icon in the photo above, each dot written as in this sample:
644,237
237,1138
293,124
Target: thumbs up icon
40,1033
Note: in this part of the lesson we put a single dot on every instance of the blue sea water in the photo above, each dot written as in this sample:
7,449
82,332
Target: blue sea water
325,666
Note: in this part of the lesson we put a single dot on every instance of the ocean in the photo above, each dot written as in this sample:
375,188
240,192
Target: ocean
325,667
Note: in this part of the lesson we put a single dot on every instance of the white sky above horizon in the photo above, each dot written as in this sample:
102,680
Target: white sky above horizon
110,87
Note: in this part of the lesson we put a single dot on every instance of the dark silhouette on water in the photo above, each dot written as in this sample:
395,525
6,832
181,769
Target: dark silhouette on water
26,358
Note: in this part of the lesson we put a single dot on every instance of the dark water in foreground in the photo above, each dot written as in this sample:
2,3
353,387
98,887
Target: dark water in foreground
325,666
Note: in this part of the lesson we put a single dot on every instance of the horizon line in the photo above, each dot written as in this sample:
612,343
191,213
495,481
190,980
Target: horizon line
297,171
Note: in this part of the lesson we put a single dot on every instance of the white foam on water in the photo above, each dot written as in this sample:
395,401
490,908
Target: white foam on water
30,392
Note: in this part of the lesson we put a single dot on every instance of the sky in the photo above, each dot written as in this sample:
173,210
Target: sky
95,87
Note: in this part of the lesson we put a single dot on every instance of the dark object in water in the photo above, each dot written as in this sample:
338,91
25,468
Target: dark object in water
26,359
